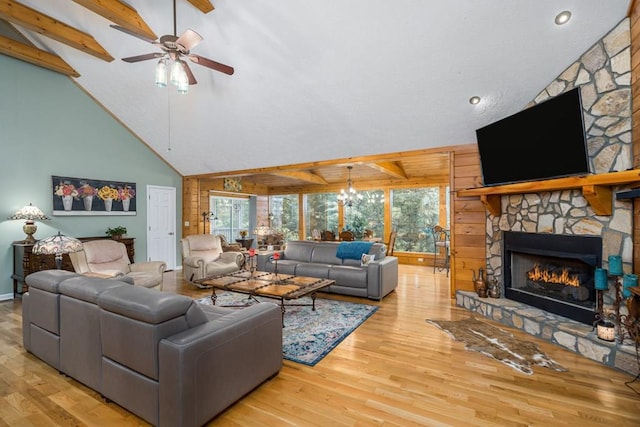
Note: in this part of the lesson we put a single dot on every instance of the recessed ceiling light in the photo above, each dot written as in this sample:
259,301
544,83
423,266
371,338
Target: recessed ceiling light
474,100
563,17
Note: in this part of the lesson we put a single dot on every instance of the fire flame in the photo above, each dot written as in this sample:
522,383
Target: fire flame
539,275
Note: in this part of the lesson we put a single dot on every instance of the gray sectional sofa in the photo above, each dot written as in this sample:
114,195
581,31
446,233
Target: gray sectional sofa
321,259
162,356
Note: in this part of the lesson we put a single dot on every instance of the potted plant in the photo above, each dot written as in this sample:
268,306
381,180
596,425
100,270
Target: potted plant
116,232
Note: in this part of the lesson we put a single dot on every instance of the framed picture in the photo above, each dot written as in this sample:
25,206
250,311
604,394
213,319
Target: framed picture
85,196
232,184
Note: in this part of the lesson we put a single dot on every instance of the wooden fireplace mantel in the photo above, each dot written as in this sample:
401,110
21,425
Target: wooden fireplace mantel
596,189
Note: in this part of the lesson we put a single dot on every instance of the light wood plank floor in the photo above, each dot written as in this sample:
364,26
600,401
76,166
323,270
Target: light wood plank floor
394,370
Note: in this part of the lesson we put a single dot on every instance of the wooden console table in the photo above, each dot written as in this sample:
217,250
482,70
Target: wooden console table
26,262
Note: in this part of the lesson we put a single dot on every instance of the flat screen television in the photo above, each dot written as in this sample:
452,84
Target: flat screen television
542,142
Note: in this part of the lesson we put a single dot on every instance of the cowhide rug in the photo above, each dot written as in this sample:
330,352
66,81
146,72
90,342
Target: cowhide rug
497,343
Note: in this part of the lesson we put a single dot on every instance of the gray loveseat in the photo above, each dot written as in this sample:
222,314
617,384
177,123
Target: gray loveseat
162,356
320,259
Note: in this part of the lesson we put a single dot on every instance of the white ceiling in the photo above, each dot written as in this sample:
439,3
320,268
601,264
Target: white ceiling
332,79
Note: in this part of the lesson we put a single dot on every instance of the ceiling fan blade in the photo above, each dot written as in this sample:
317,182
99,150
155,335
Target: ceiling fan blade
131,33
144,57
190,76
201,60
189,39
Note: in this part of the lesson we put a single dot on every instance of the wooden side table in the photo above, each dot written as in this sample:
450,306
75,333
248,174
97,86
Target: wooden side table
246,243
21,266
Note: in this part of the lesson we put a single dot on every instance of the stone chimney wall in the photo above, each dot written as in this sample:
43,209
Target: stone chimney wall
603,74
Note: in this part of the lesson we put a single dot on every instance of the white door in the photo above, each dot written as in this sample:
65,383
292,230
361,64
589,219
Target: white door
161,220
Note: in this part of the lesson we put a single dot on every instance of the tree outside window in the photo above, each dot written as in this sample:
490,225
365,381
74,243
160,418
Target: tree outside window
366,215
321,213
284,215
414,211
231,215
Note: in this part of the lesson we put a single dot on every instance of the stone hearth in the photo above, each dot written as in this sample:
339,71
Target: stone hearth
566,333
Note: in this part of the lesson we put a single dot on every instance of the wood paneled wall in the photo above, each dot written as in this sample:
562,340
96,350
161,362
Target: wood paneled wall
468,219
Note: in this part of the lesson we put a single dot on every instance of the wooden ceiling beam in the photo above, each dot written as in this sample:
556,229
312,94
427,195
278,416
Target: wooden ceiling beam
33,20
302,176
204,6
121,14
35,56
377,158
362,185
390,168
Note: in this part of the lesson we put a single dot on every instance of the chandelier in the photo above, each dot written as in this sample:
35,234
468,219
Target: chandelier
350,196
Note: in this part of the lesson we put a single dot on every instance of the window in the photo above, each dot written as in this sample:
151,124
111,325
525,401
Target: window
283,212
414,212
321,213
230,215
366,215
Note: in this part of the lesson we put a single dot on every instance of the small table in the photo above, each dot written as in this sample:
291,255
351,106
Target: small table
269,285
246,243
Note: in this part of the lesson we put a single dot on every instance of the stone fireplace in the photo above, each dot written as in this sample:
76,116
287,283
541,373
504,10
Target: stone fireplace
603,72
552,272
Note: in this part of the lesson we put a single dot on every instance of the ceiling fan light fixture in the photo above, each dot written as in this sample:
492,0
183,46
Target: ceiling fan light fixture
177,73
183,85
161,73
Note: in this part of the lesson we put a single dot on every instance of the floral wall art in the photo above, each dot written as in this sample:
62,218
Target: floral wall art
83,196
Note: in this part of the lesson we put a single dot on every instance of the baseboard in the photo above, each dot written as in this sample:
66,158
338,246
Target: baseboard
6,297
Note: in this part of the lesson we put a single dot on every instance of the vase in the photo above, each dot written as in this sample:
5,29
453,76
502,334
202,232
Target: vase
107,204
67,202
125,204
88,201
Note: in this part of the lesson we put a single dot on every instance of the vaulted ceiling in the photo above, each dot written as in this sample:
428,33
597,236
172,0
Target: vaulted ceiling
313,82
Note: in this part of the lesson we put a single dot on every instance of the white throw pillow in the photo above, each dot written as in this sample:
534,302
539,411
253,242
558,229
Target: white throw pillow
366,259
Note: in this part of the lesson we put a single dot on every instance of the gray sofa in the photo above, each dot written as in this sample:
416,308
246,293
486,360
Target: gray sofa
162,356
319,259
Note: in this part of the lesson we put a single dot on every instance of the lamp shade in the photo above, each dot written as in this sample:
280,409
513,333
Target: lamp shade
57,245
29,213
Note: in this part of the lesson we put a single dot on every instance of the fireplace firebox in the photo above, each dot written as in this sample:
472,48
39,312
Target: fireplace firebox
552,272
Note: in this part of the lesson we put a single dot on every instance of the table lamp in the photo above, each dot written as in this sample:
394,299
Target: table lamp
30,214
57,245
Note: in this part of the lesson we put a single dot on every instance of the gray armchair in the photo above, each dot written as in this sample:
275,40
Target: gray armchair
203,256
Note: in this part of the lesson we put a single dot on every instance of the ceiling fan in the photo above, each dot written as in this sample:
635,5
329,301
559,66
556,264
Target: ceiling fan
175,48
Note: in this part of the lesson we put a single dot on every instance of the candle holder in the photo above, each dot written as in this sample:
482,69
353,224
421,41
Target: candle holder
616,306
601,280
276,257
628,281
252,266
615,265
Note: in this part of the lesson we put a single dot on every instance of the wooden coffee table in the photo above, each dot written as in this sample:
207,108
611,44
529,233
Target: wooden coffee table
283,287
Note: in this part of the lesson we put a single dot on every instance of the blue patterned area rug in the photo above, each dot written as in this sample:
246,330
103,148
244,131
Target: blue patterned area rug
309,335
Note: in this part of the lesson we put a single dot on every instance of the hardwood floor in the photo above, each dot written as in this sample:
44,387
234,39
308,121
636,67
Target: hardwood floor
393,370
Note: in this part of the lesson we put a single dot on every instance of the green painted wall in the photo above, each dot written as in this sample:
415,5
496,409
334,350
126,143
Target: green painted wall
49,126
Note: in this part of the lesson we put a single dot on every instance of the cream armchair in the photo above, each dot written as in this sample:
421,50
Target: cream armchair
202,256
110,257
